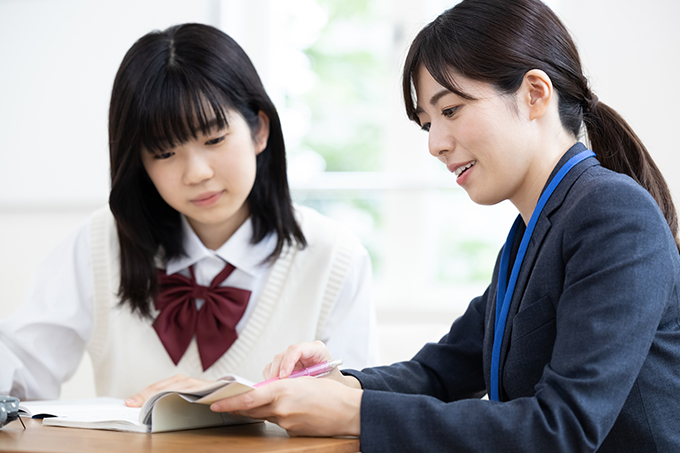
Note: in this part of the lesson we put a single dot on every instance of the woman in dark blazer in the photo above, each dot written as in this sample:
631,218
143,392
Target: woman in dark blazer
576,341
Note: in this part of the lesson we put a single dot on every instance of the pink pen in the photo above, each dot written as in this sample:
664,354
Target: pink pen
320,369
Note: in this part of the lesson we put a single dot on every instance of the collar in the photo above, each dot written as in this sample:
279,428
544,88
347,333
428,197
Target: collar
561,191
238,250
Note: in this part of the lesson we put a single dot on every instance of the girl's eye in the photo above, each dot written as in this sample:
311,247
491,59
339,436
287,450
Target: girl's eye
215,141
164,155
425,127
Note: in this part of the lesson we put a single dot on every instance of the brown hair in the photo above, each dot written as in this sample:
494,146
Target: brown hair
498,42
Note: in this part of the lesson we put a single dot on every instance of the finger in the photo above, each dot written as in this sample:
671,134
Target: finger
246,402
266,371
178,382
290,359
303,355
139,399
275,368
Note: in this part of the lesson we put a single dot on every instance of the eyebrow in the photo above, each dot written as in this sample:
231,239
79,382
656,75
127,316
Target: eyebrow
434,99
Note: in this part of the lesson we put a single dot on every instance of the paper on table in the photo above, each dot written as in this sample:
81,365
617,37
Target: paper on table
92,407
168,410
86,413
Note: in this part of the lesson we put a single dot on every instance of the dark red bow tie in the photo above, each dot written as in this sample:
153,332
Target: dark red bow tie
214,324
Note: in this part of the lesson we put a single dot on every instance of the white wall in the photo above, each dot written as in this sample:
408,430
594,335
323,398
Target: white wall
631,52
58,59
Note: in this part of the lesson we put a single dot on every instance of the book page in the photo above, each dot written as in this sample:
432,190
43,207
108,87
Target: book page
94,408
173,412
99,413
227,386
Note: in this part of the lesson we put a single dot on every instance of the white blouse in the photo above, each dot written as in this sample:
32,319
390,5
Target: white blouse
42,342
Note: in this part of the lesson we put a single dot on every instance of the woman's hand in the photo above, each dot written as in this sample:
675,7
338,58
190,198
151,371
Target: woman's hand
326,406
178,382
296,357
303,355
303,406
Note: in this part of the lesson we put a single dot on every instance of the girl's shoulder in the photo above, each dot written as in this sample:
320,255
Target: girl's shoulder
102,216
102,232
320,229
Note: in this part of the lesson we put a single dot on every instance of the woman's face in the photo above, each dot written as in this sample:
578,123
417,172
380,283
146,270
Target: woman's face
209,178
484,142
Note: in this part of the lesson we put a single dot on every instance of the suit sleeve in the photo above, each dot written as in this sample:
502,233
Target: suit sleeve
617,252
448,370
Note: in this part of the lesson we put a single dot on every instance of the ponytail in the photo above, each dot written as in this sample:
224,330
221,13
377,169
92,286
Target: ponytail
619,149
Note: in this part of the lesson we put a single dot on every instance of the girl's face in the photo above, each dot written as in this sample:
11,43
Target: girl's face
209,178
484,142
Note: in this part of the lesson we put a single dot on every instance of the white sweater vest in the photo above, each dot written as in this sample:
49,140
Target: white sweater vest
294,306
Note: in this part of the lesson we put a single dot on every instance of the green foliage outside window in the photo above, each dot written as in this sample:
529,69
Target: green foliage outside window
346,99
350,60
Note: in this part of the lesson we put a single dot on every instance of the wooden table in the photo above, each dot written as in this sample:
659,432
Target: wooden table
258,437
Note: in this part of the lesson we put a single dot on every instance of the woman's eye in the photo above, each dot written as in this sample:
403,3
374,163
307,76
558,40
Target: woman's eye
425,127
164,155
215,141
448,113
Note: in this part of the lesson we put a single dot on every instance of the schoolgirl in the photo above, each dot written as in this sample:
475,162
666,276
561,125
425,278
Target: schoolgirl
201,265
576,341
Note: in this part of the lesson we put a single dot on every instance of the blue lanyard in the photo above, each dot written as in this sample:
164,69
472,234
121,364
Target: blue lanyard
507,288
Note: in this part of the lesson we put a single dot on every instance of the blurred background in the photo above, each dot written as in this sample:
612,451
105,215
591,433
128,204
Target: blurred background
332,68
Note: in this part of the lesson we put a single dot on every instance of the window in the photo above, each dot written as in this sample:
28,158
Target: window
333,69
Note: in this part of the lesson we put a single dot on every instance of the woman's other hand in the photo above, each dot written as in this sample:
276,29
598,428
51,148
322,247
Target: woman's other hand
303,406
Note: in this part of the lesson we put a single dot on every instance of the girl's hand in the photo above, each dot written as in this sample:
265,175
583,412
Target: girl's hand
178,382
303,406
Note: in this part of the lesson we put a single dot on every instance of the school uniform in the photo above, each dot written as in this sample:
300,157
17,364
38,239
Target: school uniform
589,357
319,292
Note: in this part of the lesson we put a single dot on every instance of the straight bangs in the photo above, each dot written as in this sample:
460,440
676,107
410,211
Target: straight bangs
459,43
176,109
438,59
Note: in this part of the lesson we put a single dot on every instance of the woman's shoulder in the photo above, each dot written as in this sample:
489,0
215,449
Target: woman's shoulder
601,187
605,200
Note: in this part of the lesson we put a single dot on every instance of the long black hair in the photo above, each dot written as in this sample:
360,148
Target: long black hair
498,42
169,86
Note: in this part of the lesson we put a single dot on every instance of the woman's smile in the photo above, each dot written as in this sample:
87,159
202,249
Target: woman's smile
461,170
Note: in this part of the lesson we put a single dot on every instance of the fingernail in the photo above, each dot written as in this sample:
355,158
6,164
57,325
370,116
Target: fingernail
130,401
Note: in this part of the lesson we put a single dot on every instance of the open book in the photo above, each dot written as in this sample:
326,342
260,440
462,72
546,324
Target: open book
165,411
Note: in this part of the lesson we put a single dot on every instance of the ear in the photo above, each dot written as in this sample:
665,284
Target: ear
262,134
537,93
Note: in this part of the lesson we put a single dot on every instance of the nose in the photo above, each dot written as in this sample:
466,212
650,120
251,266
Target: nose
197,166
439,142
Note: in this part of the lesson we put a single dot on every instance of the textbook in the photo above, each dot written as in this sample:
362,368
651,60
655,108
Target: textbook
164,411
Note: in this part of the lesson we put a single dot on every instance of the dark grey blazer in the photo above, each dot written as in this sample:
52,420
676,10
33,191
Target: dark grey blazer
590,359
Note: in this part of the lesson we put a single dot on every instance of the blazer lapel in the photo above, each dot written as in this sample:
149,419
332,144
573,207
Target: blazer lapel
541,230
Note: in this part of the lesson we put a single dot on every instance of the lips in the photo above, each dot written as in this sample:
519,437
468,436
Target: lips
207,198
458,169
